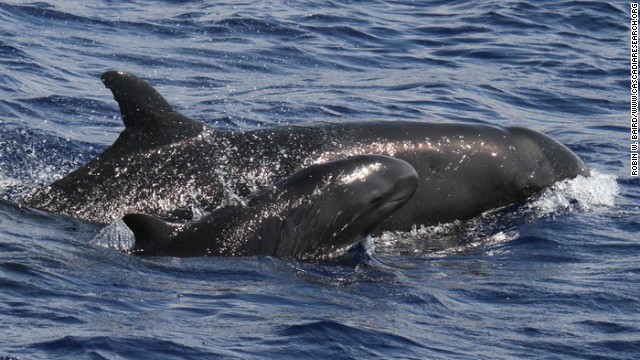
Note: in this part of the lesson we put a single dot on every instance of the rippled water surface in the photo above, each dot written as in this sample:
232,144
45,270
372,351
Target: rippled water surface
556,277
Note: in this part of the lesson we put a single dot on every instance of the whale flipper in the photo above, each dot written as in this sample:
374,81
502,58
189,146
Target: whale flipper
150,232
147,116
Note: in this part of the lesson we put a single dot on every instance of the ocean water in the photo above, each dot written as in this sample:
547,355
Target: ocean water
555,277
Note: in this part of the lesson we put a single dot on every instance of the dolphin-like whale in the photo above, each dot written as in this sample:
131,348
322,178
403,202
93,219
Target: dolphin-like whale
315,213
168,165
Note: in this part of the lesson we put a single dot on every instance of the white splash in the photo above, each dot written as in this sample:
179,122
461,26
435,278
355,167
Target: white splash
7,182
495,227
115,236
582,193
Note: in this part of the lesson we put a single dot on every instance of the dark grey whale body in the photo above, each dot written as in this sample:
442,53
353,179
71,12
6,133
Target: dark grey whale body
315,213
168,165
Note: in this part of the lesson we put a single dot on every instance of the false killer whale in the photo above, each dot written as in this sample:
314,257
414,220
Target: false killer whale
315,213
168,165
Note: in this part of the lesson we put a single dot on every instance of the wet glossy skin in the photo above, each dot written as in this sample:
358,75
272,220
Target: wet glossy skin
168,165
316,213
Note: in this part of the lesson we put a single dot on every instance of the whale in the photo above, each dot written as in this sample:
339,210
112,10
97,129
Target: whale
173,167
316,213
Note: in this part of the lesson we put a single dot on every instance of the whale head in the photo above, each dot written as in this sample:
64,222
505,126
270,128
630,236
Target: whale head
340,203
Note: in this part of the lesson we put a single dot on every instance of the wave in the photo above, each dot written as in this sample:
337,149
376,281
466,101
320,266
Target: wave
502,225
115,236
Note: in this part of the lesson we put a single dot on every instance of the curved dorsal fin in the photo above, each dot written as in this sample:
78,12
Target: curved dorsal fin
150,232
145,112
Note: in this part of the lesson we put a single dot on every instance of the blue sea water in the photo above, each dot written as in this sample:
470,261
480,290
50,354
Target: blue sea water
556,277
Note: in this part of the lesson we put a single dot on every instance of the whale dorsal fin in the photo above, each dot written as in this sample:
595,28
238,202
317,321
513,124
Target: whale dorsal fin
147,116
150,232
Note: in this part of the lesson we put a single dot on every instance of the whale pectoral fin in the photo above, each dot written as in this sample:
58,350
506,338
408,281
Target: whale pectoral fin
147,116
150,232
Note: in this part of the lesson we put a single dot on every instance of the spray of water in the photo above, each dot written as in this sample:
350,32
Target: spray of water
501,225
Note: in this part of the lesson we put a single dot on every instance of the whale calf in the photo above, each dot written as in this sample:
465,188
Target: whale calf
167,165
315,213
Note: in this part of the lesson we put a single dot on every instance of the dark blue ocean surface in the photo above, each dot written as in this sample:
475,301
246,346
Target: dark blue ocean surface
556,277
